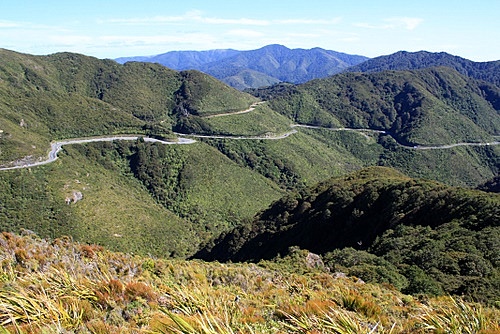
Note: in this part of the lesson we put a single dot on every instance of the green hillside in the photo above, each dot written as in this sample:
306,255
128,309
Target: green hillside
65,95
148,199
198,191
423,107
250,78
377,224
137,197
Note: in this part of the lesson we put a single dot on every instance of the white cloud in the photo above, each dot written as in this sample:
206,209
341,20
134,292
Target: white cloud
240,21
408,23
308,21
198,17
10,24
146,20
188,17
244,33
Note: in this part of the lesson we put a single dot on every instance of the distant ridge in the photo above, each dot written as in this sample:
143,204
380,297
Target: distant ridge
256,68
183,60
403,60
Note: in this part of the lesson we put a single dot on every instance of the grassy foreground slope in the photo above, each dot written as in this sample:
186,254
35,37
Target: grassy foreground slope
49,286
419,235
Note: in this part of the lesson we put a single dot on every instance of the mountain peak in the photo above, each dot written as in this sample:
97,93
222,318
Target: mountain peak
274,47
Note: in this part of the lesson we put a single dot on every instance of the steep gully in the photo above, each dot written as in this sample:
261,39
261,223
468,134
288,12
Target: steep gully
185,139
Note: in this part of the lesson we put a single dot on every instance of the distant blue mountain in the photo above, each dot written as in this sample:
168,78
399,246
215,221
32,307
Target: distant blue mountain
255,68
183,60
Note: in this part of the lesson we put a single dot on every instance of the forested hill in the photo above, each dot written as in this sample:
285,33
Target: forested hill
420,107
382,226
403,60
70,95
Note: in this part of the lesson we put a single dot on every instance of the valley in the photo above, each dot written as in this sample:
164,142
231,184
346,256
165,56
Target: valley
182,139
174,194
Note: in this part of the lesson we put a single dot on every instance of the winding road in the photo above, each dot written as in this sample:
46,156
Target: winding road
264,137
56,147
416,147
251,108
187,139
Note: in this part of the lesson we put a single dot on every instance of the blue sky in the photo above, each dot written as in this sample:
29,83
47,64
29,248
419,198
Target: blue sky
110,29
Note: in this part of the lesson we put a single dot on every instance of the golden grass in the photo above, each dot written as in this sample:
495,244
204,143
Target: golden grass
62,286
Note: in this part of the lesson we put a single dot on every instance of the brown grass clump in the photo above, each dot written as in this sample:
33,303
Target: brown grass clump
135,290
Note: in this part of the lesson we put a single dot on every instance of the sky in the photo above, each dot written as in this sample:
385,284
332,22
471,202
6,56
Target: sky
112,29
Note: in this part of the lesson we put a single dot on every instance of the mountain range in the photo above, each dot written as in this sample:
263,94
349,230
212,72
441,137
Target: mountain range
381,174
255,68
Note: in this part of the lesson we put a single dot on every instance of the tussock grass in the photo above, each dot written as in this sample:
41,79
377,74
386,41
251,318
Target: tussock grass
453,315
63,286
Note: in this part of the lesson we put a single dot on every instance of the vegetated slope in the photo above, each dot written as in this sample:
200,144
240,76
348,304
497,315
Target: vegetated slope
63,95
419,235
423,107
69,95
112,208
62,286
487,71
250,78
162,200
256,68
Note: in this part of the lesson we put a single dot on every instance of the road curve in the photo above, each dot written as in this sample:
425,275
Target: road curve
55,147
441,147
264,137
250,109
416,147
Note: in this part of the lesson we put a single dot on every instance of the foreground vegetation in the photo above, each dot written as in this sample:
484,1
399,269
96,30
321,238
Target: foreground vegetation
62,286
